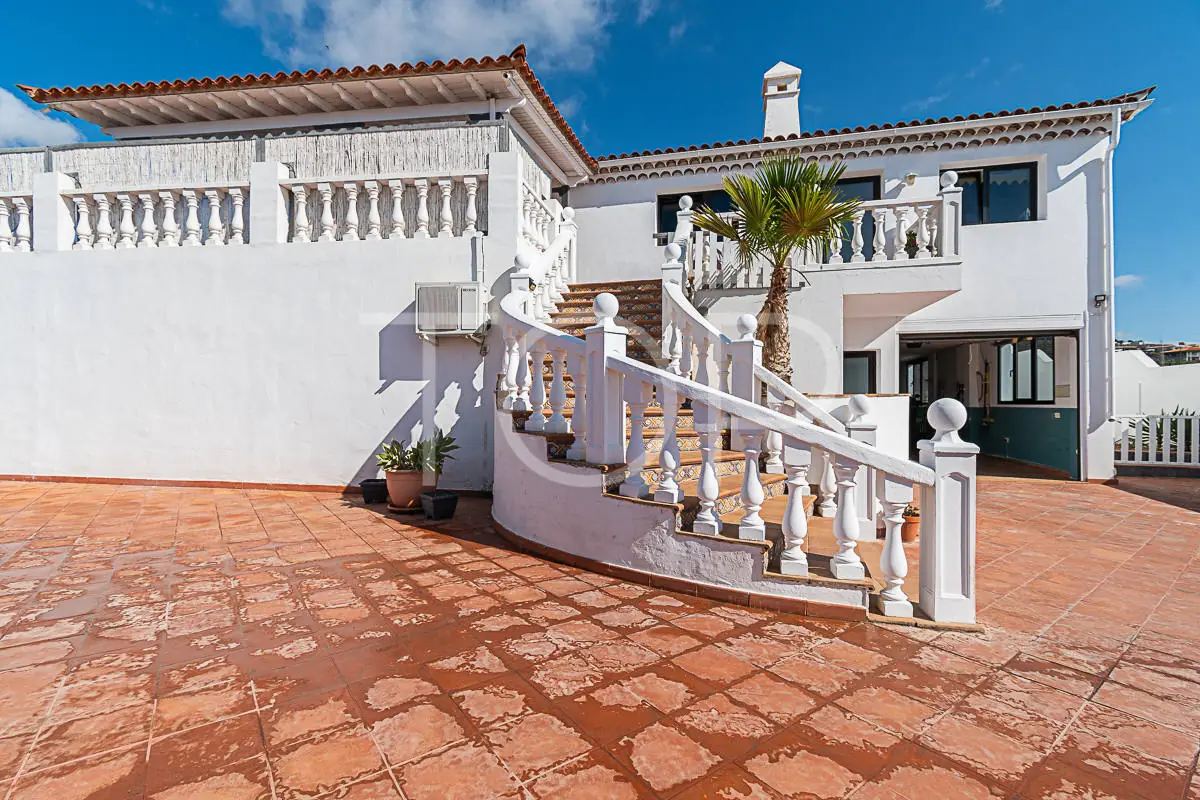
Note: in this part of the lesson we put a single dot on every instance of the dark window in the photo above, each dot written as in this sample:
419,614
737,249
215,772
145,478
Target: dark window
858,373
865,189
1026,370
1003,193
916,381
668,207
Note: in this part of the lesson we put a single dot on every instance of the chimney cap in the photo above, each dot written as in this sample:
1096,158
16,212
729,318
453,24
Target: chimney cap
782,69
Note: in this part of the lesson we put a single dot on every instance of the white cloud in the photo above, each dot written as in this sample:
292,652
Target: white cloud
564,33
926,102
1127,281
676,31
22,126
993,5
646,9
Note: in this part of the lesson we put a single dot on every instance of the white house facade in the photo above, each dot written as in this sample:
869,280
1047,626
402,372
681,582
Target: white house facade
261,279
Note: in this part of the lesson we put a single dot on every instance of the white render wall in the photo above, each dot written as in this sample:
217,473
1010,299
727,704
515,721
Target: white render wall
286,364
266,362
1144,387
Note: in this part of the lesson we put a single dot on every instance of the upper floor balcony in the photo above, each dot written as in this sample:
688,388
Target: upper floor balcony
890,246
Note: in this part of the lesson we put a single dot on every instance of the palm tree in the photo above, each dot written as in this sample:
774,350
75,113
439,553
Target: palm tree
787,205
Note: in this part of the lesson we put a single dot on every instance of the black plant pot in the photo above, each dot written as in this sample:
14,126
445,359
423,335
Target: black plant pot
374,490
439,504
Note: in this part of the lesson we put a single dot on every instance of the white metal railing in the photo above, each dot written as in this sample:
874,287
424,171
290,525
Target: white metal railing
124,218
606,382
1157,439
16,223
883,233
386,207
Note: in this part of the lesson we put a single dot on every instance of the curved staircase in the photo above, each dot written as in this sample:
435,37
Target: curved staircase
641,315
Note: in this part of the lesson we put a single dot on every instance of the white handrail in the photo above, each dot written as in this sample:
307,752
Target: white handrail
513,305
811,434
788,392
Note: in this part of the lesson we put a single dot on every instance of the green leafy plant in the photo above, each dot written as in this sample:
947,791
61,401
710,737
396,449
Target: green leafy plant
427,455
788,205
911,511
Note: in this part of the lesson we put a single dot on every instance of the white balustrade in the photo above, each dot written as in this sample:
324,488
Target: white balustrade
709,261
386,207
157,217
558,422
752,525
668,489
894,496
16,223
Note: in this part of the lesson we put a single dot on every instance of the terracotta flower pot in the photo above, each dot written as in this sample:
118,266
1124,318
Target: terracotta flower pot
910,530
405,487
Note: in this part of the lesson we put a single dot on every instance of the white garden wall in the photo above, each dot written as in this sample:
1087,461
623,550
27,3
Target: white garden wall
274,364
1144,387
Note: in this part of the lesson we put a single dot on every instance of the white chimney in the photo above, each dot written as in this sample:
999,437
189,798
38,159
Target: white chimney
781,100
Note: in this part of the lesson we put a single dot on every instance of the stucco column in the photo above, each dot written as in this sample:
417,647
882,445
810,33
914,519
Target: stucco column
268,203
53,217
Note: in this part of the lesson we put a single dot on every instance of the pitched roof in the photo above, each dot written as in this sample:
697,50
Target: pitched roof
1130,97
516,60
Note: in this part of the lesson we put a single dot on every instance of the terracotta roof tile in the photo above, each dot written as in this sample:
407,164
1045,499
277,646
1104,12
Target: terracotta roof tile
516,60
1130,97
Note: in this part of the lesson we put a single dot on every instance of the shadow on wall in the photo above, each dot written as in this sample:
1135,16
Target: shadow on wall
441,385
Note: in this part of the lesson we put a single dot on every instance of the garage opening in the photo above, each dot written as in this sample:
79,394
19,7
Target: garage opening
1021,391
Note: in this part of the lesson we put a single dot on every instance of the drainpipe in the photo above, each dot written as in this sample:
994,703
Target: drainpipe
1109,320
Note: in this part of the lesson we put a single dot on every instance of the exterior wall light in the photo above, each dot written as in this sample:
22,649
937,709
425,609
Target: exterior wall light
1099,300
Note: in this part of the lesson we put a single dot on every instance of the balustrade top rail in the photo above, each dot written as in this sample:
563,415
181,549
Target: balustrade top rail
803,404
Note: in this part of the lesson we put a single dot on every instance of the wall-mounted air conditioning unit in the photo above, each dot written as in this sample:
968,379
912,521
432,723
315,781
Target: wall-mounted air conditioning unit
451,309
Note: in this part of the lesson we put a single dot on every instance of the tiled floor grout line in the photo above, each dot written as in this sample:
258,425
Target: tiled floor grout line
262,732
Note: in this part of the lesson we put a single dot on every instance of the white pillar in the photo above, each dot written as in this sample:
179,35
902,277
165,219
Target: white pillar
148,230
605,405
351,232
374,224
170,226
268,203
948,517
53,215
237,218
746,353
950,224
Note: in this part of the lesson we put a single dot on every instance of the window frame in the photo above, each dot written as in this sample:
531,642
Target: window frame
985,192
872,357
1033,372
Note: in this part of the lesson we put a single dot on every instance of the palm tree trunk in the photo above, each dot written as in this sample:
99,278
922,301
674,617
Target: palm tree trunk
773,325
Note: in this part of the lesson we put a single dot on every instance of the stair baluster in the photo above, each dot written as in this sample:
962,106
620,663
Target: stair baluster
797,459
524,375
578,449
893,563
537,387
510,368
846,563
635,449
687,355
558,395
707,486
668,490
751,525
827,488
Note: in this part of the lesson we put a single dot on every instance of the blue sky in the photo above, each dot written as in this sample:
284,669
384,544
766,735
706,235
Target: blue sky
634,74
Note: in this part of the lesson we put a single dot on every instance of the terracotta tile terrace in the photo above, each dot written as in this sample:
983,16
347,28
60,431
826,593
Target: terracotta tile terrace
199,643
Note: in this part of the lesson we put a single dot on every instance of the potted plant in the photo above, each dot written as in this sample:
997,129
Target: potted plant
410,469
374,490
910,243
910,530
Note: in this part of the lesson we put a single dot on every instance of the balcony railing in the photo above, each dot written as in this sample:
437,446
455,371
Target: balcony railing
883,233
1158,439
